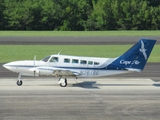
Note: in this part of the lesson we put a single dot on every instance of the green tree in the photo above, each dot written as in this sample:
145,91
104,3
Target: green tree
155,20
50,15
96,20
153,3
79,14
73,14
17,14
2,21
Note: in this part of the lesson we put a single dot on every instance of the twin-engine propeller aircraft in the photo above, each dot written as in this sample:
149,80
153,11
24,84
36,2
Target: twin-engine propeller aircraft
64,66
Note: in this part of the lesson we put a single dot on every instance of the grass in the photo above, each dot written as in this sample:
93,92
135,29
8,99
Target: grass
10,53
81,33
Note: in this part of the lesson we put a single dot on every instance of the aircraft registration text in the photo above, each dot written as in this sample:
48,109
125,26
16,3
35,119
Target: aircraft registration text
89,72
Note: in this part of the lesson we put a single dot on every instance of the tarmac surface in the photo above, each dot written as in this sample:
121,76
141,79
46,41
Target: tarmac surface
83,99
72,40
124,97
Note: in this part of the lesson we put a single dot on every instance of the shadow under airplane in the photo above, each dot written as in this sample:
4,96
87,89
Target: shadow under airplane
94,85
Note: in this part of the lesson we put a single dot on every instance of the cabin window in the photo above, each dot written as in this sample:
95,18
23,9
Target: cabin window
75,61
96,63
90,62
54,59
83,62
46,59
66,60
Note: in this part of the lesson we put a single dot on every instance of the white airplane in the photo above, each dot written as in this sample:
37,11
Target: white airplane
64,66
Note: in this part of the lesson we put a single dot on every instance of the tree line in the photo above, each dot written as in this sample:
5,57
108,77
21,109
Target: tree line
79,15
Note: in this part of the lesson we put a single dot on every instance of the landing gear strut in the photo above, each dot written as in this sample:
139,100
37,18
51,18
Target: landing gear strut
63,82
19,81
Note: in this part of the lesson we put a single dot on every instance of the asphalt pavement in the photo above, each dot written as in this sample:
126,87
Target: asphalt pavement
72,40
83,99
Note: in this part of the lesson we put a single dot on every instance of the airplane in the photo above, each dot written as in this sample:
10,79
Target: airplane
65,66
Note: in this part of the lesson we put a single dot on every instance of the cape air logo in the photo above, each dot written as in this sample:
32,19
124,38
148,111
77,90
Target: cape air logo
134,62
143,50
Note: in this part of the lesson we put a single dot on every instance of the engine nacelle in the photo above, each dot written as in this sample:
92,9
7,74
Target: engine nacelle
44,72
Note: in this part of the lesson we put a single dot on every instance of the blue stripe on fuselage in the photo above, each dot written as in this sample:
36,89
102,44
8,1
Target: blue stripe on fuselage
104,68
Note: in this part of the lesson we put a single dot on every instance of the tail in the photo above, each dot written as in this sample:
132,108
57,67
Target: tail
135,58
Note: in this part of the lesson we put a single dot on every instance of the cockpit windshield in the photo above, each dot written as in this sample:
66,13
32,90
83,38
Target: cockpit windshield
46,59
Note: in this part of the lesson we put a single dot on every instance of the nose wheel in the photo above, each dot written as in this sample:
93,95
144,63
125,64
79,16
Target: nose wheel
19,81
62,82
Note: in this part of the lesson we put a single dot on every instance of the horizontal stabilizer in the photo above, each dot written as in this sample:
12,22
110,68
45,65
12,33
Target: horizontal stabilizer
133,70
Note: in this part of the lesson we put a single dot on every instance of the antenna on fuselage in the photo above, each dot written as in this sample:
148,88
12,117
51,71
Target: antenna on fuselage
59,52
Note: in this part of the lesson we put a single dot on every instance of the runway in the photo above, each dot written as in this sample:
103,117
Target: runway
87,99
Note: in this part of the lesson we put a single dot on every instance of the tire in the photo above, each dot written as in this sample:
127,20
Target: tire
19,83
64,84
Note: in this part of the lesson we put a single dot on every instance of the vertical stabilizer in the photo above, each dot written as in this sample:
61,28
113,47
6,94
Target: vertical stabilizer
136,57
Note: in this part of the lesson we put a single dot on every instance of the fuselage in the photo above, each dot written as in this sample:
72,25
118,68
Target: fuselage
81,66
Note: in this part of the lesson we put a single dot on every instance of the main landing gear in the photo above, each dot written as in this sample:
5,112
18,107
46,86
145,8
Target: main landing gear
62,82
19,81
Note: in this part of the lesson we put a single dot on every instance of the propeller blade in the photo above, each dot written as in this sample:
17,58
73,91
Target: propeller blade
34,64
34,60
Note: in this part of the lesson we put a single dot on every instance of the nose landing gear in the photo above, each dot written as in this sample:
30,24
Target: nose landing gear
19,81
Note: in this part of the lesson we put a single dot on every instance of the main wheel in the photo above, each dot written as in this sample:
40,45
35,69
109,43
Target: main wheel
64,83
19,83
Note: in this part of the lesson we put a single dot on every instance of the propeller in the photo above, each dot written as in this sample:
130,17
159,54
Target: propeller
34,64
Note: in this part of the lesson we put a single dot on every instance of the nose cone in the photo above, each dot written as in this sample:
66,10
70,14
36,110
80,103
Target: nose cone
7,66
4,65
